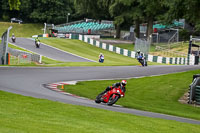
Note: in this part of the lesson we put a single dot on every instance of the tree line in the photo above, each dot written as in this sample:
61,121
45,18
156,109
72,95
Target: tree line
122,12
36,11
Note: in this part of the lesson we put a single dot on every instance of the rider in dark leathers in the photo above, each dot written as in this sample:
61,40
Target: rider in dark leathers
13,37
139,55
122,85
141,58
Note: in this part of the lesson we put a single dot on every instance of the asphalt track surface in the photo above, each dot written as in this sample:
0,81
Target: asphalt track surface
48,51
29,81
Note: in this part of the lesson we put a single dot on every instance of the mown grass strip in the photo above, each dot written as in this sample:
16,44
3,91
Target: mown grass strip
156,94
91,52
22,30
26,114
84,50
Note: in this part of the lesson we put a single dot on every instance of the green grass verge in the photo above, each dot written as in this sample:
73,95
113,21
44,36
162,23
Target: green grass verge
70,45
91,52
26,114
155,94
22,30
18,48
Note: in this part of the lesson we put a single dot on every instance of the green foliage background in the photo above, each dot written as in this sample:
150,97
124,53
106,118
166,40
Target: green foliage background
123,12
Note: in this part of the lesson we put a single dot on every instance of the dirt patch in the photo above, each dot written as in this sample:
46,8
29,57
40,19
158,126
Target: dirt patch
184,100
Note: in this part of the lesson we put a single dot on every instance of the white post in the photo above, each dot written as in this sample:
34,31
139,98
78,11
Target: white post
45,25
68,17
40,61
6,48
177,35
157,37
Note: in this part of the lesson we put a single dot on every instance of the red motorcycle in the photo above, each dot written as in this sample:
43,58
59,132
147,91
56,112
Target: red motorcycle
110,97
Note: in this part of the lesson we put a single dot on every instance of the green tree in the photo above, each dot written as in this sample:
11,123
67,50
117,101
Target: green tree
131,12
117,11
5,10
51,11
151,12
189,10
1,10
96,9
14,4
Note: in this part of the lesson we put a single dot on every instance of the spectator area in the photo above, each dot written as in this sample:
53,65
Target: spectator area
83,27
175,24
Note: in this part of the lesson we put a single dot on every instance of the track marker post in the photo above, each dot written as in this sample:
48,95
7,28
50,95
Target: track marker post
8,58
62,86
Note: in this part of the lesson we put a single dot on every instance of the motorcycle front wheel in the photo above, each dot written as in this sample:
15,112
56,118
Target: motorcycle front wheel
113,100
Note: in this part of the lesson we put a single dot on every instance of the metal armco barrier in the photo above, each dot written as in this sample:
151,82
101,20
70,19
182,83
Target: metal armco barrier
22,54
197,94
4,46
194,90
151,58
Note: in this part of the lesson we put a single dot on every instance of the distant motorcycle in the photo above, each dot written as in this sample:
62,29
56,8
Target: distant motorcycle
142,61
37,44
110,97
13,39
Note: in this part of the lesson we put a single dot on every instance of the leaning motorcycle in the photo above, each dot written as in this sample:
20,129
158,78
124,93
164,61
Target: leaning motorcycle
110,97
13,39
37,44
142,61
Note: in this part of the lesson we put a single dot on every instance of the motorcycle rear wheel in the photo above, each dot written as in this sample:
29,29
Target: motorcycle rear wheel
98,98
113,100
37,46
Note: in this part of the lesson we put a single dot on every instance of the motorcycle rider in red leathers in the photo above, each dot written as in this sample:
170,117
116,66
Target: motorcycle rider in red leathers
122,85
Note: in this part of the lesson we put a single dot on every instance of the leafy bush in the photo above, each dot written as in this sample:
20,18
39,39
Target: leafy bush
184,35
5,17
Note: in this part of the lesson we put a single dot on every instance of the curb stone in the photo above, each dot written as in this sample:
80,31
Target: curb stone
54,87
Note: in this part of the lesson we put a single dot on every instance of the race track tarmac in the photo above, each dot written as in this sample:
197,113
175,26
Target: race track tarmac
29,81
48,51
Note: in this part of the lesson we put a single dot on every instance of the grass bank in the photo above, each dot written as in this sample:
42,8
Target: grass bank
156,94
91,52
26,114
22,30
82,49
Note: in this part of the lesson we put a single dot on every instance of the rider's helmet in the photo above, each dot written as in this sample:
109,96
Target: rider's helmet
124,82
138,51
